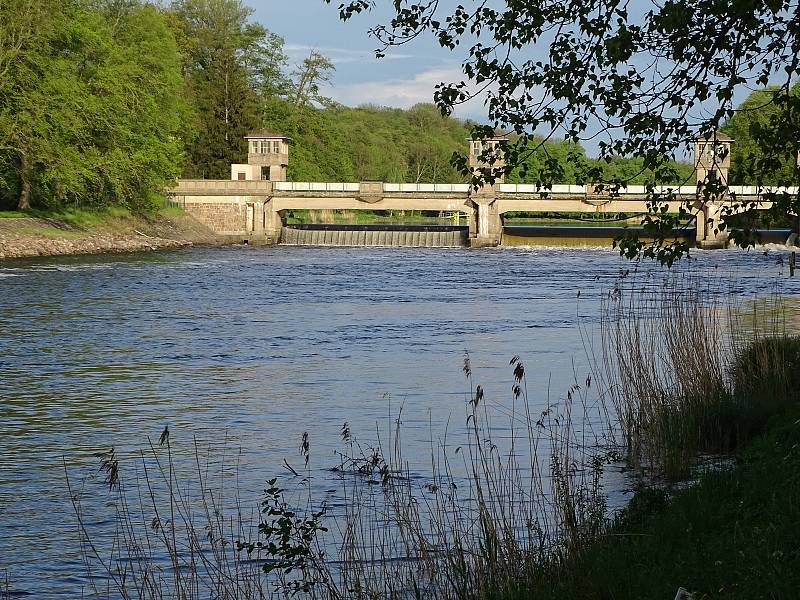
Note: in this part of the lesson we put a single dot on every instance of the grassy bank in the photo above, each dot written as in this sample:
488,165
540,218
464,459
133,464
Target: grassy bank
87,218
734,534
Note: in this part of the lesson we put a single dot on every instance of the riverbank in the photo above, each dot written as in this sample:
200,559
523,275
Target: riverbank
81,232
734,534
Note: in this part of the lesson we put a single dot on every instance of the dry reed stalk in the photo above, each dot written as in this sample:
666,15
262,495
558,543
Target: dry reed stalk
174,539
669,354
487,533
472,529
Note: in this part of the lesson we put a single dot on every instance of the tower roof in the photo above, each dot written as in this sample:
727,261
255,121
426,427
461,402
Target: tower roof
716,135
262,134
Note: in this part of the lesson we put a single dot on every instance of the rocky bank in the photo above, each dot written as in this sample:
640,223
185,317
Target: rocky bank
28,236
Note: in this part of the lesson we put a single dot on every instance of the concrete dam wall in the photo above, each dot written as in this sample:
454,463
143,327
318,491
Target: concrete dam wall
416,236
256,211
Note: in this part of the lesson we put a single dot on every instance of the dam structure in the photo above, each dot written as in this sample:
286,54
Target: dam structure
251,207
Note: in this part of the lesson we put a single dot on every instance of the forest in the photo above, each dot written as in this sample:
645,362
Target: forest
107,102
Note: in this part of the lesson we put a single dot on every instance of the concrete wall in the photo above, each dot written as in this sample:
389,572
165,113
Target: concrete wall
251,172
223,215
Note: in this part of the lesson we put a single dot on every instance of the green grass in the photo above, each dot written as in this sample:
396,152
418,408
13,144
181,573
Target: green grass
77,217
48,231
733,535
82,218
171,211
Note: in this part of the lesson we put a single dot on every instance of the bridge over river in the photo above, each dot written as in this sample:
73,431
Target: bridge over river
255,211
252,205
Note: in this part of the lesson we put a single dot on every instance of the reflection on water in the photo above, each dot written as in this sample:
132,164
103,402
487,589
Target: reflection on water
262,344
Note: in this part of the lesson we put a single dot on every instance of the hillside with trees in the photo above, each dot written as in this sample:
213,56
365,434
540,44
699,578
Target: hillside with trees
91,103
105,103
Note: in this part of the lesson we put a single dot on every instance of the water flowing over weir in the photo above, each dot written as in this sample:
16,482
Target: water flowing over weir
415,236
453,236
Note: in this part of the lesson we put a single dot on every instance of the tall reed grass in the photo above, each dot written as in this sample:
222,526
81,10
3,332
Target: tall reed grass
487,515
174,531
690,369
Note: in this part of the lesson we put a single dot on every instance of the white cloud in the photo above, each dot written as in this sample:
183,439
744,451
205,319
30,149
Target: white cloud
404,93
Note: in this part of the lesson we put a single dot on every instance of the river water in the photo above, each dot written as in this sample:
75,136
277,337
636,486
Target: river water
263,344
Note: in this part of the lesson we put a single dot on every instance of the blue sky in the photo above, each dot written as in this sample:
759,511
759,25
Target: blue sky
405,77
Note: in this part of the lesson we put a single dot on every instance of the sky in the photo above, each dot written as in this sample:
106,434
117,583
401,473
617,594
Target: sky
406,76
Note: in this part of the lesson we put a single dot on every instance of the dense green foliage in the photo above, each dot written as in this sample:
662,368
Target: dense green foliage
369,143
566,162
338,143
226,60
754,159
89,103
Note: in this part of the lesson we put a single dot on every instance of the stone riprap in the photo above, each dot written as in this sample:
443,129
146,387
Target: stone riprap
30,237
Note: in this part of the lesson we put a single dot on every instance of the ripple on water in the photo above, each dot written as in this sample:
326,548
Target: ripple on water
255,346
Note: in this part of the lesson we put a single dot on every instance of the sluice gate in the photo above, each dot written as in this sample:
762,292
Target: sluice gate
415,236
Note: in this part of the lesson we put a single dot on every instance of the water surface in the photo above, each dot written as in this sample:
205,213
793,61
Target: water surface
262,344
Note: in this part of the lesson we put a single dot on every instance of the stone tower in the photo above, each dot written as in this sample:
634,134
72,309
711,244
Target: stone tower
477,147
267,157
712,157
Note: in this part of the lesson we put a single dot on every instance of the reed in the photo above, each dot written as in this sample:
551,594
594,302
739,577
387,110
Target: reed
174,535
488,517
484,520
691,370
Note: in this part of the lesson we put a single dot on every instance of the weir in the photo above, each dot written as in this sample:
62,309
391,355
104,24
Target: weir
252,206
415,236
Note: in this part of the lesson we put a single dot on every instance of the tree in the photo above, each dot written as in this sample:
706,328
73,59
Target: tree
227,63
644,83
26,32
753,159
88,103
315,69
564,161
266,61
137,110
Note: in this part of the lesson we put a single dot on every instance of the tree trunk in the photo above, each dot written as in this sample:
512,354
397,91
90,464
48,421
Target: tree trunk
25,191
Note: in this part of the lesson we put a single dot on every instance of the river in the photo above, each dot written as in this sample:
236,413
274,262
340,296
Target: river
263,344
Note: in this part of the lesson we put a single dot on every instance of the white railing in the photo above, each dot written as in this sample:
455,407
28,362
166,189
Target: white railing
426,187
461,188
315,186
